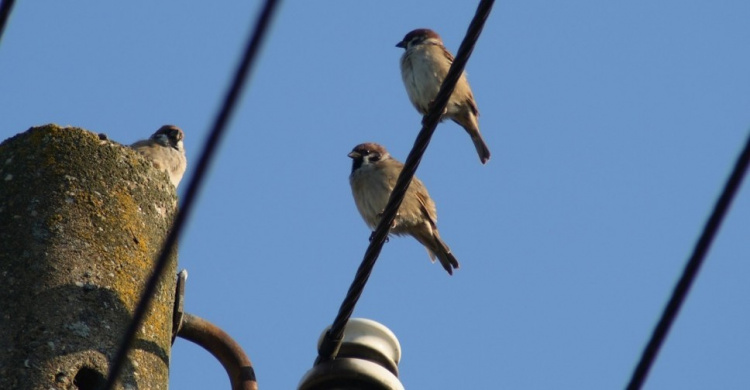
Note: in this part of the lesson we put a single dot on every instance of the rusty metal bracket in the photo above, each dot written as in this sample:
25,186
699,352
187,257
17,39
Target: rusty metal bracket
212,339
223,347
179,303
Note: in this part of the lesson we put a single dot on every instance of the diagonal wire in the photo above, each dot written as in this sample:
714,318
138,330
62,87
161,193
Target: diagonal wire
691,270
217,131
5,7
332,340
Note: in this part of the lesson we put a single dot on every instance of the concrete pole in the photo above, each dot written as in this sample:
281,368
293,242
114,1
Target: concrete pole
81,223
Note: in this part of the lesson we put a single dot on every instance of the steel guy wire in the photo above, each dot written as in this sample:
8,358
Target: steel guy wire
5,7
217,131
692,268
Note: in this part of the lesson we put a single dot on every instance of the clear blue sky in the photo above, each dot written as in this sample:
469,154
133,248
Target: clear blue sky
613,127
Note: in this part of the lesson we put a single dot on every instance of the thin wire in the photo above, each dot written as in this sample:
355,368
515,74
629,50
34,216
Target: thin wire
5,7
692,268
251,50
332,340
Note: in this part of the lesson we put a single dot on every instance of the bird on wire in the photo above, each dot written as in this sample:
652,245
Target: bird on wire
374,174
424,66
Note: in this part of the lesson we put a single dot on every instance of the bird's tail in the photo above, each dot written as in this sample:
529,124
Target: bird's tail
470,124
436,248
482,150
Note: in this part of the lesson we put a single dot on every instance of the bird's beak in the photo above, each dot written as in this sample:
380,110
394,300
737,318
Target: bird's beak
354,155
401,44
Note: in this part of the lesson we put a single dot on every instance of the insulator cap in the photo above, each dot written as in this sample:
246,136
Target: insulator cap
368,359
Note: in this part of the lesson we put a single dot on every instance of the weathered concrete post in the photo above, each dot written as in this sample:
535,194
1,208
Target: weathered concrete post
81,223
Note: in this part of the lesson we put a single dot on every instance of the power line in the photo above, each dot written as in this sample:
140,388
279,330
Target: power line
209,148
332,340
692,268
5,7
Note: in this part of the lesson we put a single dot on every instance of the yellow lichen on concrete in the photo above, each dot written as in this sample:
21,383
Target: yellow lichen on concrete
79,235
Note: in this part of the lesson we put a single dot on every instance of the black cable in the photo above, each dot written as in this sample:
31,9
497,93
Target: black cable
5,7
691,270
332,340
217,131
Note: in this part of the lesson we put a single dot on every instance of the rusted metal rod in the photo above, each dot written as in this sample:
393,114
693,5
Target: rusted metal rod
223,347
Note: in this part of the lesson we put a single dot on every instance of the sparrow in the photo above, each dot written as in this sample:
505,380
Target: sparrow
374,174
424,65
166,151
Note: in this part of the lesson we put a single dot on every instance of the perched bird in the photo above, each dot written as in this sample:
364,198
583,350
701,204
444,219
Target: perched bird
166,151
374,174
424,65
